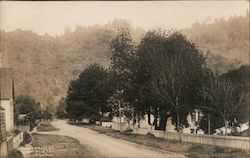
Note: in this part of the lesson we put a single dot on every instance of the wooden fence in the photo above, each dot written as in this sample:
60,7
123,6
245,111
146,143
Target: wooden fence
119,127
225,141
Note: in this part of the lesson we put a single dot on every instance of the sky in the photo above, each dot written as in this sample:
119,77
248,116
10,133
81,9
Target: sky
53,17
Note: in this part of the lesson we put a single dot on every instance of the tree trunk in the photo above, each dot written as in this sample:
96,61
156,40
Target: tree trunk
178,117
178,120
156,119
149,118
208,124
177,114
226,124
163,119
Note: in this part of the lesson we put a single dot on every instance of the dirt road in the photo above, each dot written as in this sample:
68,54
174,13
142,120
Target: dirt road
109,146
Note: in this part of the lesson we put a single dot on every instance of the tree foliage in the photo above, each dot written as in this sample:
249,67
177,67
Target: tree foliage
61,109
27,105
88,95
175,66
224,99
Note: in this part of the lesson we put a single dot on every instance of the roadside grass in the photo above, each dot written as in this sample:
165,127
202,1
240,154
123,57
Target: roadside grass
46,126
56,146
191,150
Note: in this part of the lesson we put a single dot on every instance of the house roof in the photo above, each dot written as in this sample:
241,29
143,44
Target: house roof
6,83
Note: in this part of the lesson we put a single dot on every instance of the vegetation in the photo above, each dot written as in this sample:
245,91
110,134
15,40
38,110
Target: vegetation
51,62
175,69
225,38
61,147
27,138
27,106
61,109
88,95
46,126
164,75
27,111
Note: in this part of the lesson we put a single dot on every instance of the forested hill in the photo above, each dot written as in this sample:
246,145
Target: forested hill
44,65
225,40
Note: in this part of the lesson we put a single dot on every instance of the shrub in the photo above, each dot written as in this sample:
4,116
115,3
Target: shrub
196,148
150,135
218,149
26,138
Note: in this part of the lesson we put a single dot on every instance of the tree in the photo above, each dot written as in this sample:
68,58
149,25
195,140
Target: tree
224,98
61,109
25,104
175,66
88,95
124,63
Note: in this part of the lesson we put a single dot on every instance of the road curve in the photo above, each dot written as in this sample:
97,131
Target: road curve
109,146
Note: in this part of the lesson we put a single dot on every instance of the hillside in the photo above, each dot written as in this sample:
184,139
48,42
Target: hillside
44,65
225,41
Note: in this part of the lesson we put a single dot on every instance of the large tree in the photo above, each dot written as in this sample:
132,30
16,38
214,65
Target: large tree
175,66
226,98
124,64
88,95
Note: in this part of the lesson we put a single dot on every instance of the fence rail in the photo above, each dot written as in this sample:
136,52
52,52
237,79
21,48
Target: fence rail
225,141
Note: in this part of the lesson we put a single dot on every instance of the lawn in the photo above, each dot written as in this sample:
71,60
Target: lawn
46,126
191,150
55,146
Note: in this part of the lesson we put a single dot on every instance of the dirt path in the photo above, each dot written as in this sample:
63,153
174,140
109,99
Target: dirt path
109,146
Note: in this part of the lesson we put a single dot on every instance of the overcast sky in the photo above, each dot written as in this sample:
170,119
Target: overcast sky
53,17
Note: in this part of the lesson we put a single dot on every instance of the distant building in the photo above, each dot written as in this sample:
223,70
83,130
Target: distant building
6,98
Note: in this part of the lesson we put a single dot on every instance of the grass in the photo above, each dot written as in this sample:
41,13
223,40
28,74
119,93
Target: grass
55,146
46,126
192,150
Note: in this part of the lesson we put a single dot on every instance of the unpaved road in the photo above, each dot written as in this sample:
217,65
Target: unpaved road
109,146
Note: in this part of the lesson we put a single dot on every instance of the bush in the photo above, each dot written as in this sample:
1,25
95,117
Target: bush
16,132
218,149
196,148
150,135
128,130
26,138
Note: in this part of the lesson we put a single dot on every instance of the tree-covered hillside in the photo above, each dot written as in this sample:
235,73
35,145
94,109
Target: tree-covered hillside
226,41
44,65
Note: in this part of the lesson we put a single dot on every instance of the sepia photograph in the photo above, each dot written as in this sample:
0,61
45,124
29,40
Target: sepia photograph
124,79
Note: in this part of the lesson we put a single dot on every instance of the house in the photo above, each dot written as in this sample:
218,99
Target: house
7,141
2,125
6,98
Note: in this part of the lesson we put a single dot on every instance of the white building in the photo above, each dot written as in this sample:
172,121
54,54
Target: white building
7,96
